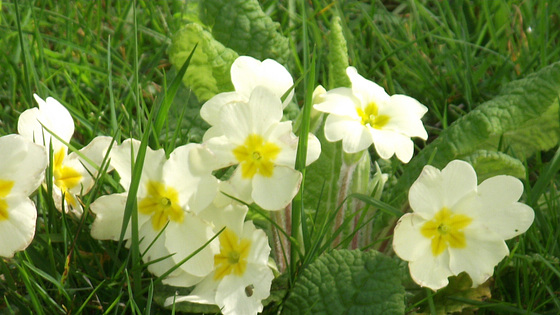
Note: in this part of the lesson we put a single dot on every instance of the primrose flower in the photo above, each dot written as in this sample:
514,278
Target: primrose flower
241,277
246,74
21,172
458,226
171,193
251,135
73,174
366,114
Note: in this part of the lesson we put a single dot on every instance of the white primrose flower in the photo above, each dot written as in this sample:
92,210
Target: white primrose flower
241,279
21,171
366,114
170,195
251,135
246,74
457,226
72,174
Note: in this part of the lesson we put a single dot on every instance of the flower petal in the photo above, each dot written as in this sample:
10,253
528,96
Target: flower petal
431,271
388,143
186,237
212,109
22,162
408,243
109,212
497,206
355,137
479,257
435,189
366,91
277,191
339,101
247,73
16,233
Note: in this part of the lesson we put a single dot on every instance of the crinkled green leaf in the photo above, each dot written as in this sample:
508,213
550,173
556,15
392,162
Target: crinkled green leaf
522,120
243,26
348,282
491,163
208,72
338,56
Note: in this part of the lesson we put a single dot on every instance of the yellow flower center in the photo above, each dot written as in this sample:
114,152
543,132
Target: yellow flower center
233,255
256,156
5,189
445,230
370,116
65,177
162,203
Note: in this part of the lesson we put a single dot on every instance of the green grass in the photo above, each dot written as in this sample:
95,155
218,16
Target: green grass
107,62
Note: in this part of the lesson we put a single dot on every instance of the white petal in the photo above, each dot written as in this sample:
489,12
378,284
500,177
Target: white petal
53,116
121,157
408,105
355,137
211,110
231,215
152,247
188,236
265,109
22,162
479,257
204,292
408,243
109,212
429,271
238,187
435,189
387,143
247,73
497,207
16,233
277,191
236,121
313,149
260,250
232,296
195,191
366,91
222,149
339,101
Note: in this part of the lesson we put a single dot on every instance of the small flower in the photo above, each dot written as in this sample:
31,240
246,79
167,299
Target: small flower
73,174
241,279
170,195
21,172
246,74
366,114
458,226
251,135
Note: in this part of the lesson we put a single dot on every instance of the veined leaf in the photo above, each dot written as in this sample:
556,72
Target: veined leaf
242,26
348,282
208,72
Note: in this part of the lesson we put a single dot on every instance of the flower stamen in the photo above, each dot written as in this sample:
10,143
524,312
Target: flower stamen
162,203
256,155
445,229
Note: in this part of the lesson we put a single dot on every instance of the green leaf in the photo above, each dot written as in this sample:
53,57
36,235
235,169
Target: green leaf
522,120
208,72
490,163
338,56
348,282
242,26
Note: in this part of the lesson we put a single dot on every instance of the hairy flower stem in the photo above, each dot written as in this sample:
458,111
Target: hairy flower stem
344,183
282,246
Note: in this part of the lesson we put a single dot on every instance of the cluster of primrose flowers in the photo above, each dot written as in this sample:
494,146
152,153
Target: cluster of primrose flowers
456,225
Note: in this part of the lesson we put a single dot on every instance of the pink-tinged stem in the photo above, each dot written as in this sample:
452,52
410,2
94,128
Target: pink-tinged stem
283,219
